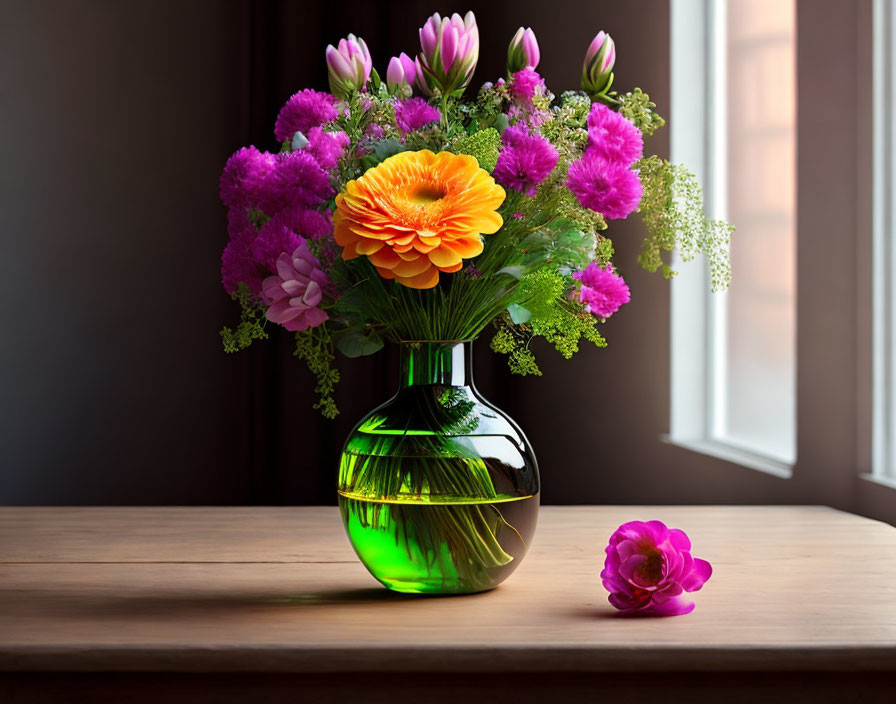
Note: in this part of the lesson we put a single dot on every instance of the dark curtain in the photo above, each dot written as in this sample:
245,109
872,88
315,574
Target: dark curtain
116,119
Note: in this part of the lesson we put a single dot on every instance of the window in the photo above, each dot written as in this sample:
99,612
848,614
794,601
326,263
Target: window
883,262
734,123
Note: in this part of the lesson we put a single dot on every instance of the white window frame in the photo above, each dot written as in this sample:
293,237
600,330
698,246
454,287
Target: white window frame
697,134
884,252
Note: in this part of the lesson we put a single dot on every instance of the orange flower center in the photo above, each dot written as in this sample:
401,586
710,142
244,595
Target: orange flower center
420,206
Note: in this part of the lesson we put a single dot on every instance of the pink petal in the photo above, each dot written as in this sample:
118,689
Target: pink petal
449,47
282,312
395,72
293,288
626,549
626,603
677,606
302,266
428,37
629,566
313,294
668,592
337,63
697,577
679,539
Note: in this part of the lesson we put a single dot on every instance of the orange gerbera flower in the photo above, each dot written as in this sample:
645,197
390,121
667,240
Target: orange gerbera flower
417,214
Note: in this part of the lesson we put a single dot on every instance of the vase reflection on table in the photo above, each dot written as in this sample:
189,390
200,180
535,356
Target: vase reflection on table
438,489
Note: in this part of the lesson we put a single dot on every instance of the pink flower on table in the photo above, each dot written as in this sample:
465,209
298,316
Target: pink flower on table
648,567
613,136
296,291
413,113
603,291
306,109
525,161
609,188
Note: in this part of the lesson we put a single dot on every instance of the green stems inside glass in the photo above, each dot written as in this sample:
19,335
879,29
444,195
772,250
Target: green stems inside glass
438,489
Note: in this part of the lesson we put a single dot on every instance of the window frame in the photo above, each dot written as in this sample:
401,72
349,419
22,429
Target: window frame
698,139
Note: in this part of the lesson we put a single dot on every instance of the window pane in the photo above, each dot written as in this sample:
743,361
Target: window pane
755,360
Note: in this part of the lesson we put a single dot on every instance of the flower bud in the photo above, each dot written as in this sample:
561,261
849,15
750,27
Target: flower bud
449,52
349,66
401,75
523,51
597,71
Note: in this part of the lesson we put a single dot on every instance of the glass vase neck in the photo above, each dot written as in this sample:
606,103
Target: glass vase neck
427,363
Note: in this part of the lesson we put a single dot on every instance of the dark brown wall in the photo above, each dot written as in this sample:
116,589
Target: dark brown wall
116,119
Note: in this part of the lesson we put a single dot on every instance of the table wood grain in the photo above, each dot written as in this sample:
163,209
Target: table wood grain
279,590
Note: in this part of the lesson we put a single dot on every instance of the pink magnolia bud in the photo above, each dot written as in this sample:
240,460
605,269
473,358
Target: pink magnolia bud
523,51
597,71
348,66
449,52
401,75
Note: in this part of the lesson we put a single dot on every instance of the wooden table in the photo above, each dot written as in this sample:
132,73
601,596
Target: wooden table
270,604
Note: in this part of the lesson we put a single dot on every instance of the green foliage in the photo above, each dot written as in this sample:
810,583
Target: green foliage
514,342
386,148
252,322
484,145
551,315
315,347
561,244
638,108
554,316
575,106
672,210
458,308
604,251
356,342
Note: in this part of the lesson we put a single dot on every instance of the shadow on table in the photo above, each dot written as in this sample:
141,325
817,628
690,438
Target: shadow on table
174,605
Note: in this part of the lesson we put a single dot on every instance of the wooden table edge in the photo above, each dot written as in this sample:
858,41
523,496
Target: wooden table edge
551,657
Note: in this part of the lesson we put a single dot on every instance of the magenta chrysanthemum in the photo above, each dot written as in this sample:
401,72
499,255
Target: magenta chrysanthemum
243,174
274,239
613,136
525,161
306,109
326,147
649,566
525,85
238,221
413,113
295,292
603,291
296,179
308,222
611,189
237,264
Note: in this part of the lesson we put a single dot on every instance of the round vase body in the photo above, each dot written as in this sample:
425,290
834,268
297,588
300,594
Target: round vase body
438,489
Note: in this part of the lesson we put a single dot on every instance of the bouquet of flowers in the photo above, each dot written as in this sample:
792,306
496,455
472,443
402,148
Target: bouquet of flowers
413,208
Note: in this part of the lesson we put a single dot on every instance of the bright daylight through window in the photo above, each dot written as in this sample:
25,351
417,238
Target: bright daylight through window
734,119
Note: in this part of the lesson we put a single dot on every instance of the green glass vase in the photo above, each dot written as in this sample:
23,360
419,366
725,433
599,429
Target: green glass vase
438,489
